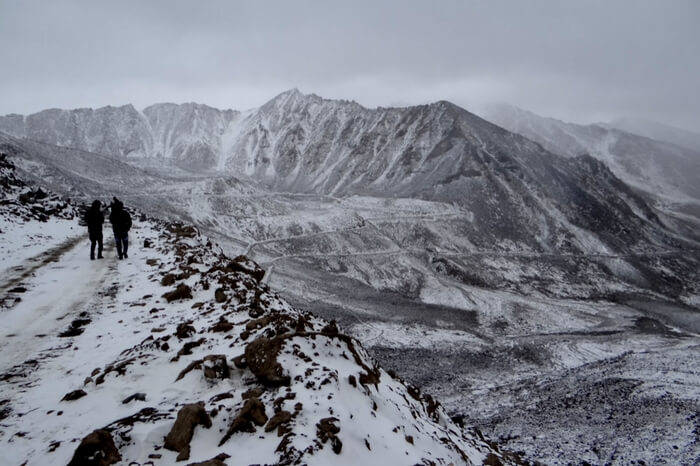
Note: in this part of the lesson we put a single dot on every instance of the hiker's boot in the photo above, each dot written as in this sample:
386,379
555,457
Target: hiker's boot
92,257
100,256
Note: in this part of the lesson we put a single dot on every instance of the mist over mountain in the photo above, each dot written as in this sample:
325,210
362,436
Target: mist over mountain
662,169
659,131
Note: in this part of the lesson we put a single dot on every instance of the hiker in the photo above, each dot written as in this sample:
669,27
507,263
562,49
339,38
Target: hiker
121,223
94,220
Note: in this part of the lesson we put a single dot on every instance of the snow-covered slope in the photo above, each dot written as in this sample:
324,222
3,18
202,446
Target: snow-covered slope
659,131
179,353
655,167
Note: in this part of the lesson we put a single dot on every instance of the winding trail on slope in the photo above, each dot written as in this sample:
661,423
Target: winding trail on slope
16,275
64,284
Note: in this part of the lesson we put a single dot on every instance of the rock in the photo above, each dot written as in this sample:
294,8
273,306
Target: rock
97,449
180,435
182,291
215,367
253,392
327,430
74,395
247,266
135,396
147,243
222,325
184,330
252,414
218,460
331,328
220,295
279,419
168,279
261,358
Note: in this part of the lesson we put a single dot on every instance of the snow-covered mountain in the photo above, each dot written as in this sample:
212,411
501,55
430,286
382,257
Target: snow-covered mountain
303,143
503,277
654,167
179,353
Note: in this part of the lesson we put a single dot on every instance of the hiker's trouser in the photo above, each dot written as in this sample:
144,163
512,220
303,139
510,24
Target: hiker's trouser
95,239
122,240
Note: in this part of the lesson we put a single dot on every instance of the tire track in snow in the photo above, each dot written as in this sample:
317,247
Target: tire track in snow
64,284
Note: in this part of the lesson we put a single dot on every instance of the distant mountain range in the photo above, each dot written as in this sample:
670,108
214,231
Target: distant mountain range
516,191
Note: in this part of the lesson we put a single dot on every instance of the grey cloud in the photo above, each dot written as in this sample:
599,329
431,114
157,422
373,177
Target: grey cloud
574,60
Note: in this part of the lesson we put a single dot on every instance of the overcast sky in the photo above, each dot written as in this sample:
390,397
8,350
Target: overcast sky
576,60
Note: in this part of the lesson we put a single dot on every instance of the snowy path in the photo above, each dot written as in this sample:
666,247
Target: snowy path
60,287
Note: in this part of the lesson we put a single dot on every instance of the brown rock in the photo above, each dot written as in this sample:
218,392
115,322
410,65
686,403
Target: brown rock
247,266
280,418
184,330
182,291
97,449
261,357
218,460
167,279
326,430
220,295
215,367
74,395
180,435
253,412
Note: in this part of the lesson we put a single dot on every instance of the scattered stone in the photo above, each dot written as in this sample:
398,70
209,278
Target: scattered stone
215,367
97,449
326,430
168,279
220,295
218,460
185,330
247,266
261,357
182,291
252,414
147,243
492,460
331,328
135,396
279,419
220,396
191,366
222,325
180,435
187,347
74,395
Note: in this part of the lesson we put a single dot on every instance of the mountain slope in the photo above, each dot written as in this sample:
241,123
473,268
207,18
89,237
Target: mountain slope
180,353
654,167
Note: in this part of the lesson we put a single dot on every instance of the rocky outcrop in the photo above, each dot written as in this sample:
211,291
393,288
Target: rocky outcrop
97,449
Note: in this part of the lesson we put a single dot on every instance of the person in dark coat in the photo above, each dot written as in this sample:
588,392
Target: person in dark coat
94,220
121,224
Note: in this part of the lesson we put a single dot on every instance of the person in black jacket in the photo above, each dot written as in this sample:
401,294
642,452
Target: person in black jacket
121,223
94,220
